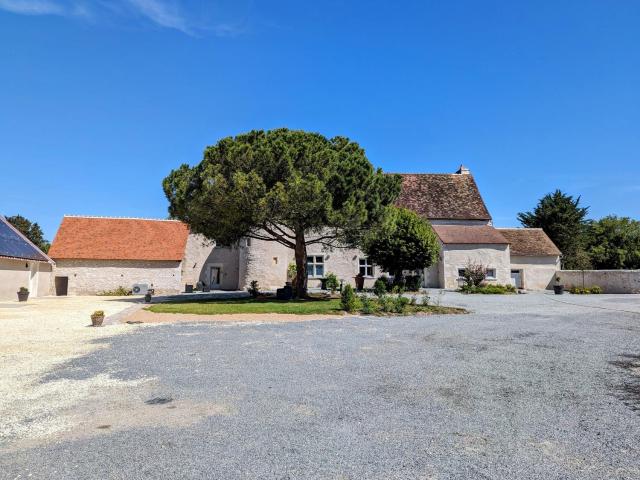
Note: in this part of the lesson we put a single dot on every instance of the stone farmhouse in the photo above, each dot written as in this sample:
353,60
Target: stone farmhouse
94,254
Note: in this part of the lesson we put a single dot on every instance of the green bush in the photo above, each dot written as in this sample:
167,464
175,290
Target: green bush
400,304
253,288
380,287
386,303
397,289
332,282
348,299
118,292
596,290
426,300
367,305
412,283
488,289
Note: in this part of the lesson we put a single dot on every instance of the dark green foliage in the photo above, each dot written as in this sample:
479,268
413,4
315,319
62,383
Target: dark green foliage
563,220
403,241
400,304
31,230
614,243
349,299
412,283
332,282
381,286
386,303
488,289
117,292
292,187
253,288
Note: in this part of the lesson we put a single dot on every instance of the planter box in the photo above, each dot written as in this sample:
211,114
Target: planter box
23,296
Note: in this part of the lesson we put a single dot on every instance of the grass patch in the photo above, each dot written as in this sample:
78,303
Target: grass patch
251,305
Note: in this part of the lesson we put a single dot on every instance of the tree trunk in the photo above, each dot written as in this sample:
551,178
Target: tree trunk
301,266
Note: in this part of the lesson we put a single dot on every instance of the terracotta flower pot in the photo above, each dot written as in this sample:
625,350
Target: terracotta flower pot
96,320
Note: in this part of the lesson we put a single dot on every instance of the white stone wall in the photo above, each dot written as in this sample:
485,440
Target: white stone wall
265,262
458,256
344,262
89,277
201,254
537,273
611,281
18,273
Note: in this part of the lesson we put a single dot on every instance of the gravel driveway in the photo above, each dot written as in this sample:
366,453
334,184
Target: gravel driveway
525,387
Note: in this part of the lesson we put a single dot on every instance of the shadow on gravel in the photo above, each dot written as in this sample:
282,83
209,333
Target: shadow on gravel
629,391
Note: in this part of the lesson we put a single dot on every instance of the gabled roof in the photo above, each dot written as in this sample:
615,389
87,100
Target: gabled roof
529,242
13,244
465,234
443,196
105,238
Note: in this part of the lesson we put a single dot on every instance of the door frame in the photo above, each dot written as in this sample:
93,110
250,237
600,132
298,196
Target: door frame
211,266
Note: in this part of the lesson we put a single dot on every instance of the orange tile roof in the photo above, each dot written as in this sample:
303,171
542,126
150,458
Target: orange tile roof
465,234
103,238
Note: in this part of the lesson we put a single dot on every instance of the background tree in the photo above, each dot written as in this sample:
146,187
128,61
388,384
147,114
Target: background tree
403,241
614,243
291,187
563,220
31,230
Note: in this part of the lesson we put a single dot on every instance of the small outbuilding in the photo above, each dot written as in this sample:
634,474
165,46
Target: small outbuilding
22,264
535,259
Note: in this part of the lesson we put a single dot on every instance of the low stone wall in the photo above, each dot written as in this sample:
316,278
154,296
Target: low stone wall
611,281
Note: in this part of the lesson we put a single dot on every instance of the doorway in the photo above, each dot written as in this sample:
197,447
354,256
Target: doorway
33,278
62,286
214,277
516,276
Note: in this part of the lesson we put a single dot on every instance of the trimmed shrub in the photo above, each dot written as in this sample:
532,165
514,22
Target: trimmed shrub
386,303
400,304
596,290
367,305
332,282
488,289
380,287
117,292
348,299
253,288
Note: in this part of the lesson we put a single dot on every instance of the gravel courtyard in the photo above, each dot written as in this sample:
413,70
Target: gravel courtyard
528,387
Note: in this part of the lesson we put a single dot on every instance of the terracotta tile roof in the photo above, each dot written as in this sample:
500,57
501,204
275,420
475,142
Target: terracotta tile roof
465,234
103,238
13,244
529,242
443,196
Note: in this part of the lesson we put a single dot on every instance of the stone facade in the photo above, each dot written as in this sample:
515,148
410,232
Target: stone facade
202,257
536,273
455,257
90,277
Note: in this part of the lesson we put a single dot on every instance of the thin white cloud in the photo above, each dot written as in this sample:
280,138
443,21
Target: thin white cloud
33,7
165,14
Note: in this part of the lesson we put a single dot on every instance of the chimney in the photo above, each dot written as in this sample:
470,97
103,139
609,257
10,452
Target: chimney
463,170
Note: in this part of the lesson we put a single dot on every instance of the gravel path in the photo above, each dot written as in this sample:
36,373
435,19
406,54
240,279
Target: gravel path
525,387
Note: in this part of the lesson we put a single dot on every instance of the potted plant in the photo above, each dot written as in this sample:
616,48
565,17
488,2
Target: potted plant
23,294
97,318
557,288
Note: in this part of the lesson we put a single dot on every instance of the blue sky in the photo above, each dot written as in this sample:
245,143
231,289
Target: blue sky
99,100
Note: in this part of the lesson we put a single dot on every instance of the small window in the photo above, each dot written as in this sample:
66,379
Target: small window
491,273
315,266
366,268
461,272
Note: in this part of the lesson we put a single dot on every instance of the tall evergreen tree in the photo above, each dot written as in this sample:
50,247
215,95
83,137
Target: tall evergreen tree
614,243
291,187
31,230
563,220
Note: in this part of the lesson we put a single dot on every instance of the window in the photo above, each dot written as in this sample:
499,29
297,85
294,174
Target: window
461,272
366,268
315,266
491,273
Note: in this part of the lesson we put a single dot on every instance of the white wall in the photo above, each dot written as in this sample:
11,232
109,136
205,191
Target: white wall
202,254
89,277
538,273
611,281
17,273
457,256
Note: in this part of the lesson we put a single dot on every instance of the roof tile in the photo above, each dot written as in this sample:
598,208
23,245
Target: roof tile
465,234
529,242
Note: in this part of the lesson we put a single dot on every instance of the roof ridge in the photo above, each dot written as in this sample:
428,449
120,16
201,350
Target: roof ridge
106,217
424,173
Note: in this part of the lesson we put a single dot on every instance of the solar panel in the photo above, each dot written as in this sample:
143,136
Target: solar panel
13,245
